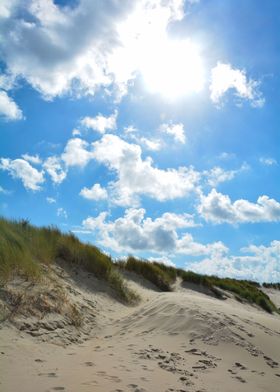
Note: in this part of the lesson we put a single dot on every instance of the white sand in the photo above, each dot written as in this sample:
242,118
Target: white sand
179,341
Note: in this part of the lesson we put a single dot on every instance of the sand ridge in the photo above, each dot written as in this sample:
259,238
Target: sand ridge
178,341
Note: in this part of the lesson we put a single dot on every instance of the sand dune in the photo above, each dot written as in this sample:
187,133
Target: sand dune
178,341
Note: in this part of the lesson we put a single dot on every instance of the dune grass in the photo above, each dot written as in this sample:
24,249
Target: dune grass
24,248
275,286
153,272
163,276
246,290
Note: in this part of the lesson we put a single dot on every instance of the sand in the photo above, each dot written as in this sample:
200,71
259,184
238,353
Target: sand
179,341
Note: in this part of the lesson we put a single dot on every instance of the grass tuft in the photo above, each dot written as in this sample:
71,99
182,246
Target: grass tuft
153,272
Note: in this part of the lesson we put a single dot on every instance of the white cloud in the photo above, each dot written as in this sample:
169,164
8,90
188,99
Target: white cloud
148,144
175,130
6,8
162,260
96,192
268,161
60,212
59,49
130,129
218,175
8,108
218,208
51,200
35,159
54,167
101,123
139,177
261,264
224,78
79,49
133,232
19,168
76,132
76,153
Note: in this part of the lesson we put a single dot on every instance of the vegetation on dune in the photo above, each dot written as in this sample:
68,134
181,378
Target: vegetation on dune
275,286
163,276
24,248
153,272
201,280
244,289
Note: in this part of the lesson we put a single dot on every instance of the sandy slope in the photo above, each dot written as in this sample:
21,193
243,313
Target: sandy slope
180,341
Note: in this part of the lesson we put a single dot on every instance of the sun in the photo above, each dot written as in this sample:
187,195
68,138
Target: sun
172,68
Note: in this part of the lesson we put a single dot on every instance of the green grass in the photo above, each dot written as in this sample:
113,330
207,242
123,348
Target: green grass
153,272
245,290
201,280
163,276
24,248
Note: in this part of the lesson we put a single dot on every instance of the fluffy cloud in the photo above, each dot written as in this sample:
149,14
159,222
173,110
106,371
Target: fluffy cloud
35,159
150,144
147,144
218,175
224,78
261,263
78,49
218,208
76,153
96,192
139,177
133,232
175,130
268,161
19,168
8,108
54,167
101,123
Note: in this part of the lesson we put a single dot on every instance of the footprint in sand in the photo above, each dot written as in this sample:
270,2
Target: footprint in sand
136,388
240,379
270,362
240,366
89,363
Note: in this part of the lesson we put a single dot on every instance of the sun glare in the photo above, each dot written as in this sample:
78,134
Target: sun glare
173,69
169,67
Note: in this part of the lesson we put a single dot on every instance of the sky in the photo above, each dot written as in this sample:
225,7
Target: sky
146,127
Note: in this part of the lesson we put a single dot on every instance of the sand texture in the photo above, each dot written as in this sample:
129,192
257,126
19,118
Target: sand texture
179,341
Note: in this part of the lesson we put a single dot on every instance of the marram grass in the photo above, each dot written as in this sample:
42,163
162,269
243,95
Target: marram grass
24,248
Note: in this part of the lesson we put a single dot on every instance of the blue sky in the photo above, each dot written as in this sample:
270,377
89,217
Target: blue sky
147,127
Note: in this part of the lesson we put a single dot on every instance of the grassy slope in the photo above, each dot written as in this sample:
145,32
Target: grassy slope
163,277
24,248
